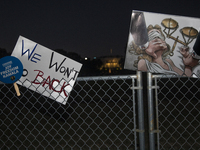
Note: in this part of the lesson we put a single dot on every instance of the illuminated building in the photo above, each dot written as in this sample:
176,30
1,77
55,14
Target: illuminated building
111,63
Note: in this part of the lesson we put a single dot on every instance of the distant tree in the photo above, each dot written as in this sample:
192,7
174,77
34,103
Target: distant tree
96,64
71,55
74,56
121,62
61,51
3,52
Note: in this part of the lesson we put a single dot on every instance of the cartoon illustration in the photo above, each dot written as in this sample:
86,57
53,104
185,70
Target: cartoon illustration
154,48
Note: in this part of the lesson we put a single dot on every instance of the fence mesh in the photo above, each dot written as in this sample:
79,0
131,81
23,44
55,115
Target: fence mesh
98,115
179,113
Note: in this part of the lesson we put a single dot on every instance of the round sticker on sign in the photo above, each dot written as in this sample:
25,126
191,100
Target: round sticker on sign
11,70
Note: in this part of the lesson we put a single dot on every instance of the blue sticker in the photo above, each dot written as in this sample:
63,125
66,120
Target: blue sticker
11,69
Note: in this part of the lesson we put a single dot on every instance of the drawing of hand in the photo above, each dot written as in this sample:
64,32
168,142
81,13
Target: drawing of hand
188,60
184,51
156,45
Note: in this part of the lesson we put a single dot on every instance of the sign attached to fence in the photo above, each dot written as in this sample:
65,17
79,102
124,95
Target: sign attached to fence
161,43
11,69
46,71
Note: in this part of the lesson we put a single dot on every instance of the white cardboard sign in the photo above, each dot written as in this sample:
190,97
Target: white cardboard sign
46,71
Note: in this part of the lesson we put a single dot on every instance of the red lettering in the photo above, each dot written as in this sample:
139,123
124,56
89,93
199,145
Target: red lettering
58,83
48,83
39,79
38,75
63,88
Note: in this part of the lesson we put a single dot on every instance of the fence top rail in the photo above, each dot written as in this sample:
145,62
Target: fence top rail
106,77
172,76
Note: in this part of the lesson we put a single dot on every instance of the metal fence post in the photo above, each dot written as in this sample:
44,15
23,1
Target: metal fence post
140,111
150,112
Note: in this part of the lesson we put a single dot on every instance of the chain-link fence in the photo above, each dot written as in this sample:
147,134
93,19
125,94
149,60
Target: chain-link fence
99,114
178,106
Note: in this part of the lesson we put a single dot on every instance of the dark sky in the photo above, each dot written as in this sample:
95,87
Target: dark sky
89,28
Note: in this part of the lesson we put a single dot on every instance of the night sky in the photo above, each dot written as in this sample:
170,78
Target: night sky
89,28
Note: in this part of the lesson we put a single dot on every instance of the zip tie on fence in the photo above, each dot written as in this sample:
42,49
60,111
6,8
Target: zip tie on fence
155,131
136,87
153,87
138,130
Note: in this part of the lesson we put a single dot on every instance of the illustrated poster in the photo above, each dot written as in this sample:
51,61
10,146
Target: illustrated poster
162,43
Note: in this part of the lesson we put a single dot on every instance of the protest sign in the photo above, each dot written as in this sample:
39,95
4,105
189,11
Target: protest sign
11,70
45,71
162,43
